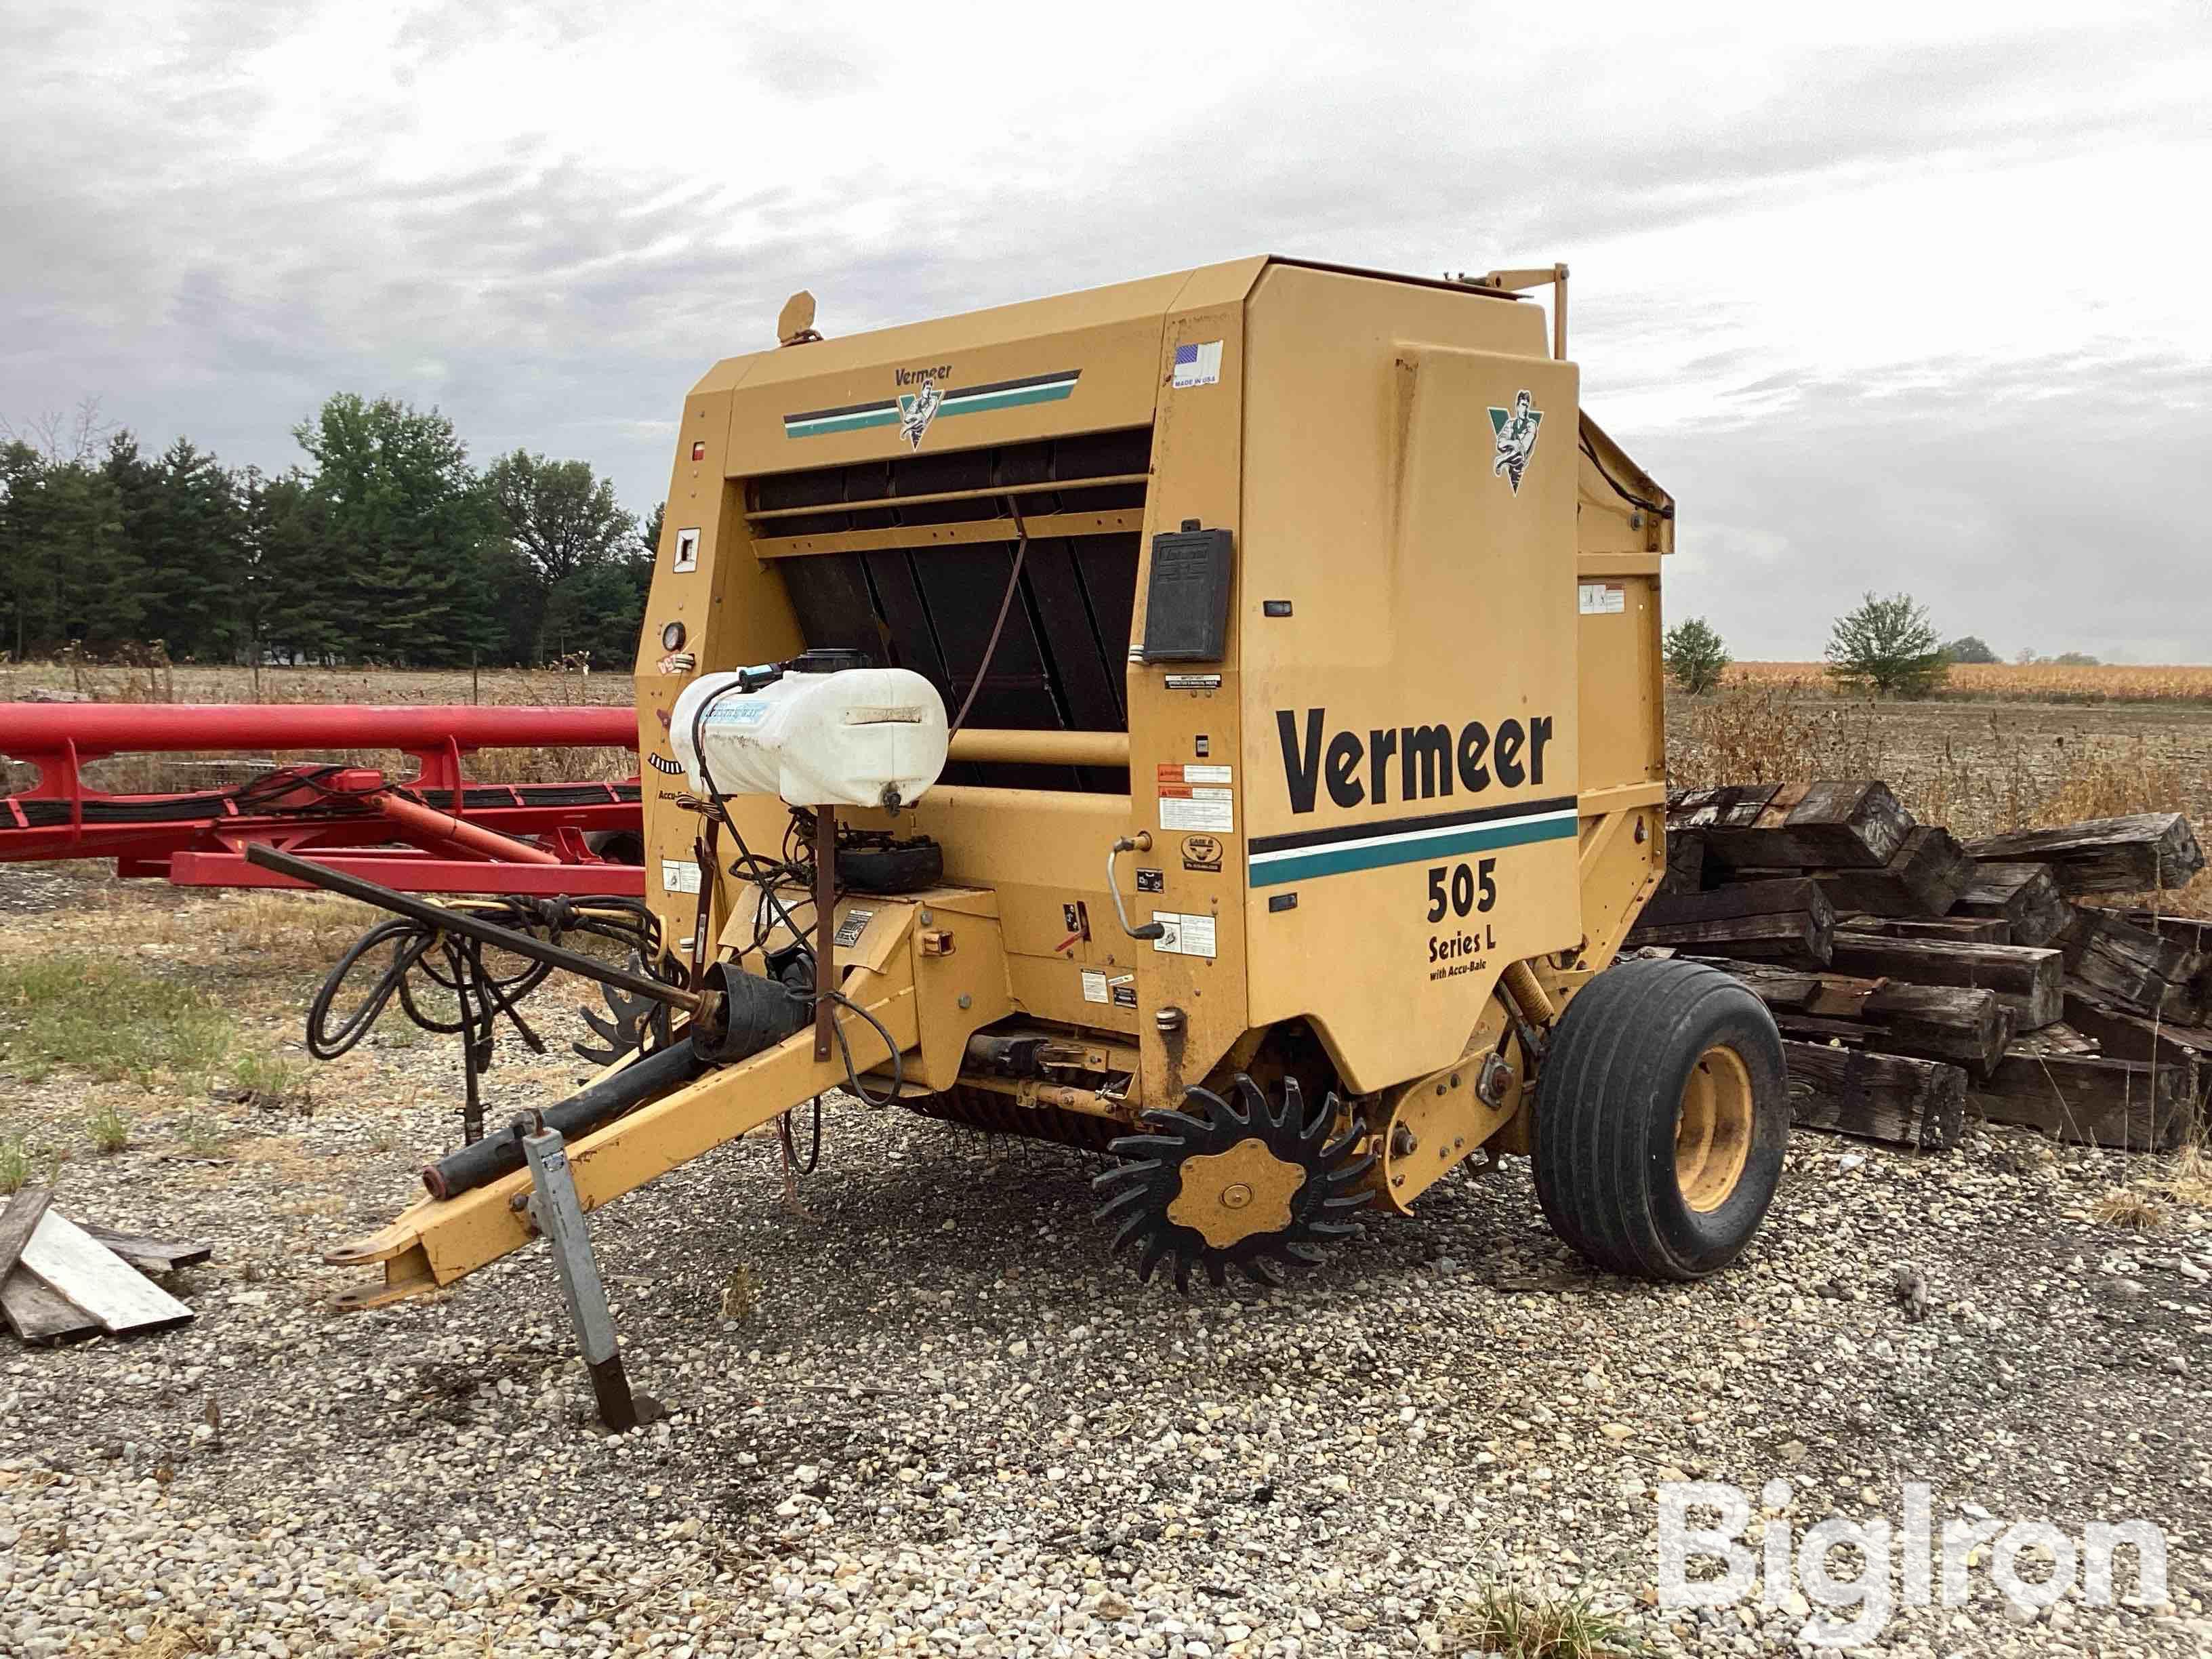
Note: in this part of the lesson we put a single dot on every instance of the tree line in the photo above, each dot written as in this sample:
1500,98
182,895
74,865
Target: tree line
1884,646
384,546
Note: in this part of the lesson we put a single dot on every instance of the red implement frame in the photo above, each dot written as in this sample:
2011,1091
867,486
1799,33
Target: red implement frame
436,834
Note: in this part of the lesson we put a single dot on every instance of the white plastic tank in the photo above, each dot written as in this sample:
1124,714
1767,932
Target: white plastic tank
858,737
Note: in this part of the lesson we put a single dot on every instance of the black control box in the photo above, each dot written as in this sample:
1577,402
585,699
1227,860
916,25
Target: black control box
1187,601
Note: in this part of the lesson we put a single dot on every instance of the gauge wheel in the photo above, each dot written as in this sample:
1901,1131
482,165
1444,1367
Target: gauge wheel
1662,1115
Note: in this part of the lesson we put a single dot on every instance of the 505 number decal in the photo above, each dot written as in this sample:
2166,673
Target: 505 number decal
1462,890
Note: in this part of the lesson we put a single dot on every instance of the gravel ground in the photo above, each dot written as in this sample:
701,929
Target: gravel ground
928,1415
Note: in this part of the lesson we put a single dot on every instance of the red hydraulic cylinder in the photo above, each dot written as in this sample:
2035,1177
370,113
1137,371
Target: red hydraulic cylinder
444,826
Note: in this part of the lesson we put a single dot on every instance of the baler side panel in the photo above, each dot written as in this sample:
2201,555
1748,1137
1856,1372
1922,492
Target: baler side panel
1428,595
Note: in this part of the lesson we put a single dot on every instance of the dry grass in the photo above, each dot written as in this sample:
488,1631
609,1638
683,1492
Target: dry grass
276,1161
109,1129
1519,1624
2188,1181
203,1134
2130,1207
14,1166
1979,776
2039,682
118,683
166,1639
1768,732
270,1079
298,927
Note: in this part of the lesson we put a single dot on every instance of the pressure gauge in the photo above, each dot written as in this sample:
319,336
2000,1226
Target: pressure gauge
671,637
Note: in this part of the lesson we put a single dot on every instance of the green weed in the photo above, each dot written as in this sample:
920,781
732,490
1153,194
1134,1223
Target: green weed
108,1017
203,1136
268,1078
110,1129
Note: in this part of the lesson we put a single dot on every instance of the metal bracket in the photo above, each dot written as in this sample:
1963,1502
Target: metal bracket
1520,282
558,1215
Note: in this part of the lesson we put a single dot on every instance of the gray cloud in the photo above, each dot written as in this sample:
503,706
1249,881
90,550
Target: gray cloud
212,261
2031,503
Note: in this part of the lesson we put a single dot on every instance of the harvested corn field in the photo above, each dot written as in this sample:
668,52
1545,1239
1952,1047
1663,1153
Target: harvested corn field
2032,682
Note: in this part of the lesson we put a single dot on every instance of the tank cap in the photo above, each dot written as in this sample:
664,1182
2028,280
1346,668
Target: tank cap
828,659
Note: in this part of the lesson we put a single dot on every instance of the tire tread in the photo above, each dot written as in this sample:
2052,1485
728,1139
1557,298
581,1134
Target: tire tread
1610,1073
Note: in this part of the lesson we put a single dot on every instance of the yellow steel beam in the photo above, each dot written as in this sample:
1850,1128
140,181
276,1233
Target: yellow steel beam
1113,522
436,1242
974,742
997,492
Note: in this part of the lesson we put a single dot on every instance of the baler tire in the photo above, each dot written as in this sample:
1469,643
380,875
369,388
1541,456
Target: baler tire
1647,1054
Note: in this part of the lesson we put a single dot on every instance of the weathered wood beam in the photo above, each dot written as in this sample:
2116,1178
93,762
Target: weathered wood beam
2026,898
2143,972
2120,1035
1772,897
1855,824
2106,855
1971,930
1801,990
1767,920
2090,1101
2025,980
1686,865
1918,1103
2195,931
1964,1026
1925,879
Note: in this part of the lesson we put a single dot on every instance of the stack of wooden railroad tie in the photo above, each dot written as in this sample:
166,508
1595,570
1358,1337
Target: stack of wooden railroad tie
1916,979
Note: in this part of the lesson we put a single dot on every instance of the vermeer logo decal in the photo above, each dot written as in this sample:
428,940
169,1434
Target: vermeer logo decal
916,411
1422,764
1516,431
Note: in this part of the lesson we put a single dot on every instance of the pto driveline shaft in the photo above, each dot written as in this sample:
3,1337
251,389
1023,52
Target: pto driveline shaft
496,1154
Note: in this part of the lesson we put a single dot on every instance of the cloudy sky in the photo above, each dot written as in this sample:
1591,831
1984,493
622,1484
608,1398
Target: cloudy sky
1889,295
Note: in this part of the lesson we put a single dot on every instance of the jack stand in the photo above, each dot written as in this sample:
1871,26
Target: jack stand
558,1215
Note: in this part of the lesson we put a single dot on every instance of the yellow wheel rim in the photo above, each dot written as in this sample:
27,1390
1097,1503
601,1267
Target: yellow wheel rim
1712,1135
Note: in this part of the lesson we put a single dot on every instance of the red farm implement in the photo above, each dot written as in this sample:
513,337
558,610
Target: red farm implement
434,832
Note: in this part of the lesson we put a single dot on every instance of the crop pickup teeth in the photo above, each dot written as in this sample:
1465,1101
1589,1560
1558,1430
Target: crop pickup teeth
629,1022
1144,1189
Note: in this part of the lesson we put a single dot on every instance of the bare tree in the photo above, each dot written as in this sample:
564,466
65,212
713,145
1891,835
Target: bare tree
71,439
